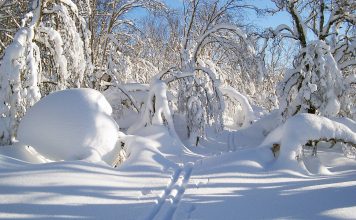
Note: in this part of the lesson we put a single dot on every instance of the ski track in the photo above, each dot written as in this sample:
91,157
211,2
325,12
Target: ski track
168,202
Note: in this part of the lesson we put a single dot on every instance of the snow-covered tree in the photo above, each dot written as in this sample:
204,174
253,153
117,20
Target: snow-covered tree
11,13
318,80
348,100
248,115
128,65
156,110
19,72
48,53
63,37
113,35
198,81
322,30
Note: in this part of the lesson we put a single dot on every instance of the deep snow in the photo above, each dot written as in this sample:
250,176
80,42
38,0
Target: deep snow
155,185
229,175
70,125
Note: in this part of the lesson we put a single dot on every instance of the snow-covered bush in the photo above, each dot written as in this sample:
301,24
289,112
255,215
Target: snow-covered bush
127,101
349,151
348,100
70,125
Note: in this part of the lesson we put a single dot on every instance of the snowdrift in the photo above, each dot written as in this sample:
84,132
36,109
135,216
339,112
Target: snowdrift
298,130
71,124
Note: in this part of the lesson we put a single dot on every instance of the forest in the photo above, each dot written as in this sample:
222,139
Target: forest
147,91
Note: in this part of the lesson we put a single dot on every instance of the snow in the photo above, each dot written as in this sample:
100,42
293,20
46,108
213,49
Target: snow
78,189
163,179
298,130
249,115
156,110
162,151
242,188
79,119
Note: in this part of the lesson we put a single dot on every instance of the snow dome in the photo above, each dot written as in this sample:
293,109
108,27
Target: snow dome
69,125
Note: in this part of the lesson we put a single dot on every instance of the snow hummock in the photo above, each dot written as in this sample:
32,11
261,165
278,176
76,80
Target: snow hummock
70,125
298,130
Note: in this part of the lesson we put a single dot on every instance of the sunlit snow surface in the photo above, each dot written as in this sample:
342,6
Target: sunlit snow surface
164,180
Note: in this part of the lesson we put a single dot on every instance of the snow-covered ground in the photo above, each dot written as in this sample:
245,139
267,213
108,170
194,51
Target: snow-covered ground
164,180
229,175
236,186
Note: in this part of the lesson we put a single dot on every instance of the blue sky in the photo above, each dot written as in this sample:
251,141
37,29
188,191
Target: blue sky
260,21
268,21
263,22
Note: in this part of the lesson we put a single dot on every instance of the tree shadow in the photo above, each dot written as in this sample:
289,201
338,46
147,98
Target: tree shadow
78,190
279,196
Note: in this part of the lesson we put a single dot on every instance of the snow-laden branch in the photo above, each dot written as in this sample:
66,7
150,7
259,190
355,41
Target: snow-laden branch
156,111
19,71
71,5
54,42
247,110
219,27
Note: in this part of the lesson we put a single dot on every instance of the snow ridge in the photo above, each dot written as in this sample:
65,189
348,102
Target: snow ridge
168,202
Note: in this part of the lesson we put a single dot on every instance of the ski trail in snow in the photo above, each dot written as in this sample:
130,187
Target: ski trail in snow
168,202
160,201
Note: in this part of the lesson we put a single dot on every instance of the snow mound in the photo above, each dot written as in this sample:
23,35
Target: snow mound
69,125
301,128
